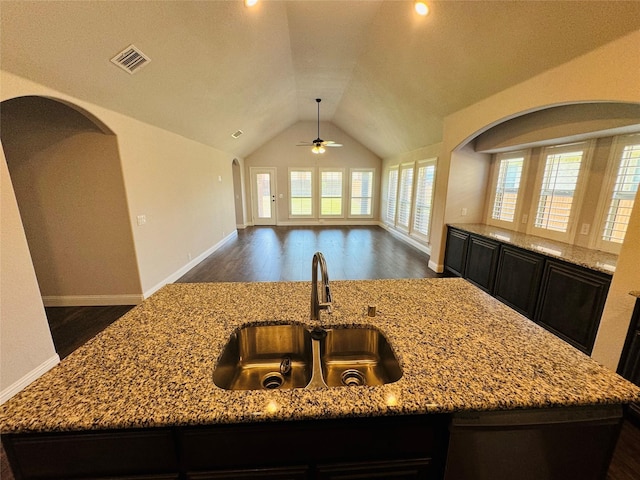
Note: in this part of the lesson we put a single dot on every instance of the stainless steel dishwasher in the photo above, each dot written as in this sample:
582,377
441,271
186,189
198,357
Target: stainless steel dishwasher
541,444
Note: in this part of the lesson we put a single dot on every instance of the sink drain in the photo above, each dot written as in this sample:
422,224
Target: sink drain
272,380
352,378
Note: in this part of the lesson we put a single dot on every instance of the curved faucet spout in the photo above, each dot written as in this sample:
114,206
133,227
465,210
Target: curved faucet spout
325,303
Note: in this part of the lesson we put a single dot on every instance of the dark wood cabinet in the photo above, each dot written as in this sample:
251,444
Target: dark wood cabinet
482,261
518,279
564,298
629,366
391,470
400,447
456,251
571,301
148,454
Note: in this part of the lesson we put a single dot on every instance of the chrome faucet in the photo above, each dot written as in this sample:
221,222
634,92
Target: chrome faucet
325,304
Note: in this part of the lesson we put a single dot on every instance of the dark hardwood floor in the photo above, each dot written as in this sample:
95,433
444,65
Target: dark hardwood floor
284,254
272,254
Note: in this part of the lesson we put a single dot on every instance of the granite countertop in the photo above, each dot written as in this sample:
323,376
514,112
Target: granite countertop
459,348
593,259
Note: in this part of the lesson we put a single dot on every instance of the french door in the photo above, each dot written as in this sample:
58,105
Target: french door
263,195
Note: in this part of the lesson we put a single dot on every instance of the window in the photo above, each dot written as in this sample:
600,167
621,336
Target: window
361,193
331,192
506,186
405,196
392,195
624,177
301,192
424,197
559,190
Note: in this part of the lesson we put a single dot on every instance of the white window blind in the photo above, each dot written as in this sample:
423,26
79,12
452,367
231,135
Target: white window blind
331,193
392,195
559,183
424,198
507,187
404,197
301,192
623,194
361,192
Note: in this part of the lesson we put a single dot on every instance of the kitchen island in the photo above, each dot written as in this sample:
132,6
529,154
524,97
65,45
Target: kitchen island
150,373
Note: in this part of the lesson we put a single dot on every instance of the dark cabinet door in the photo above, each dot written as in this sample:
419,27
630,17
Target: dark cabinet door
518,279
389,470
629,366
482,262
456,251
571,301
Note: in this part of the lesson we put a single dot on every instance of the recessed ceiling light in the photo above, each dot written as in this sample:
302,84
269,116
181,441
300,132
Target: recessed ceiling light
421,8
250,3
237,133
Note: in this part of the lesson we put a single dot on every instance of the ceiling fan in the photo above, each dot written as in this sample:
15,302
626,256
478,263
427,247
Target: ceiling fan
318,144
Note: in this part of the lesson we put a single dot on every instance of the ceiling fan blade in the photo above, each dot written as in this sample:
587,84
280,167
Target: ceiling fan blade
304,144
332,144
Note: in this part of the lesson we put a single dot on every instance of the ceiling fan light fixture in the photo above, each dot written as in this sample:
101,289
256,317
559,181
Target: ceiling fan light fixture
421,8
318,149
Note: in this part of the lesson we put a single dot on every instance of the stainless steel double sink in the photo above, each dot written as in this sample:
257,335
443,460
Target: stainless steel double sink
286,356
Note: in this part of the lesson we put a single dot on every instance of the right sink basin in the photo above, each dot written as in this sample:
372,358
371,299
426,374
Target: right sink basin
357,356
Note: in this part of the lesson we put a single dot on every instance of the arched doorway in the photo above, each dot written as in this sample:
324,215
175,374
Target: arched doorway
65,169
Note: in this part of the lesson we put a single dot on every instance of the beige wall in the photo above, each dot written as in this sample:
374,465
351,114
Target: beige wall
68,182
184,188
26,347
281,152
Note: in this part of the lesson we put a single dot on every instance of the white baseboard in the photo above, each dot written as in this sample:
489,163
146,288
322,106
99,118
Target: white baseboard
177,274
91,300
406,239
33,375
312,222
435,267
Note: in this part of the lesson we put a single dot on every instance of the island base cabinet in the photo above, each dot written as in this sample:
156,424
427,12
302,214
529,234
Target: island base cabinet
125,455
403,447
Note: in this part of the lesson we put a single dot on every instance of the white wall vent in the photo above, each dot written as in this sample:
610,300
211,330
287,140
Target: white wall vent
237,134
130,59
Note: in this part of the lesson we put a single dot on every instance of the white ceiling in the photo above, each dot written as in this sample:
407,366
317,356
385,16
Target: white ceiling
386,76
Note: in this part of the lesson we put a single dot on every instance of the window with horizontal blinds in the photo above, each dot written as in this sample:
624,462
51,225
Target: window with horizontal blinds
301,192
392,195
558,188
405,196
424,198
623,193
507,187
331,193
361,193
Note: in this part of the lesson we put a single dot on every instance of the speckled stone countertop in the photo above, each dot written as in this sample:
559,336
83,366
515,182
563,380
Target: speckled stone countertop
594,259
459,348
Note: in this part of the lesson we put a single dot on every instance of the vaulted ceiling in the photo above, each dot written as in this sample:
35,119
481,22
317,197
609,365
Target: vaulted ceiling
386,76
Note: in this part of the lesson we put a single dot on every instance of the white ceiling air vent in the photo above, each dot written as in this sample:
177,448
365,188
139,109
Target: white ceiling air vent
237,134
130,59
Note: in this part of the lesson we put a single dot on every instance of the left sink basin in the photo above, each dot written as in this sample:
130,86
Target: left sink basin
266,357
